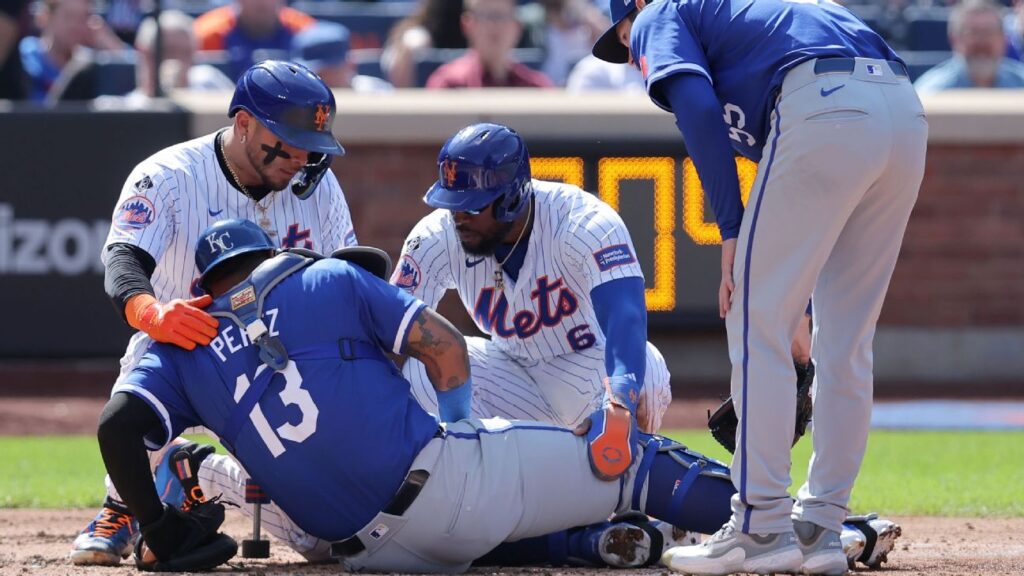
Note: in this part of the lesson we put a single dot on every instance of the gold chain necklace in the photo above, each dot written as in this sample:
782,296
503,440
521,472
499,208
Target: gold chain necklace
264,222
499,274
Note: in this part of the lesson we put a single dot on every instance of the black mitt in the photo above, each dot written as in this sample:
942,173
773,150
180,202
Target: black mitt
185,541
723,422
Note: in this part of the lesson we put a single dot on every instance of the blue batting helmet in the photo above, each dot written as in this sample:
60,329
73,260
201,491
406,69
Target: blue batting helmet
480,165
292,102
226,239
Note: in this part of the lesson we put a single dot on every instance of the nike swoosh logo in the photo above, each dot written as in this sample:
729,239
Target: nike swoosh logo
830,90
212,213
474,263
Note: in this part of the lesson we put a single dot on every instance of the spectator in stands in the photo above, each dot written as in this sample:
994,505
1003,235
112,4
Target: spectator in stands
178,50
67,26
324,49
570,29
434,24
592,73
12,77
248,26
492,32
979,49
1014,26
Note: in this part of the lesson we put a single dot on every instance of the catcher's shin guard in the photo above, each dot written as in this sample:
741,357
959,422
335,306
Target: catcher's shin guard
682,487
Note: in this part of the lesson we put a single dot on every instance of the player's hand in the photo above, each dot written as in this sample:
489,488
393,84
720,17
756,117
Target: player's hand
179,322
611,439
727,287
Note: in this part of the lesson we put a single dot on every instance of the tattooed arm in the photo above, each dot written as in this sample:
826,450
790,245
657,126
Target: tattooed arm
442,350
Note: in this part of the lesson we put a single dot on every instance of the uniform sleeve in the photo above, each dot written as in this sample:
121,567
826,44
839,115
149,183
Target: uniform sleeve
158,381
336,222
664,43
145,214
424,269
598,244
389,310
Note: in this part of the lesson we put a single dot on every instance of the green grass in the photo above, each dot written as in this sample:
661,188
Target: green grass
904,473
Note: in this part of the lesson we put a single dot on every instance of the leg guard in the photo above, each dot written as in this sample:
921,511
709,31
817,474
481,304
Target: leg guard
685,488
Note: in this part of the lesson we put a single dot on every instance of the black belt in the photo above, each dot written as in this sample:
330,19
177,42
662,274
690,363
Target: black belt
827,65
404,498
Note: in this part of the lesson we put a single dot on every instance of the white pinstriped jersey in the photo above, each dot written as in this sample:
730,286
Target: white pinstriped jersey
577,243
172,196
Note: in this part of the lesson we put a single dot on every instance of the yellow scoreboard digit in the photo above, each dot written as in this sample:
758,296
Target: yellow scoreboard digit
662,172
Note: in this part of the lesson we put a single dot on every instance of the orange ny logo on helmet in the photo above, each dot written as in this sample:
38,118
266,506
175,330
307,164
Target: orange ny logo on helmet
323,115
449,172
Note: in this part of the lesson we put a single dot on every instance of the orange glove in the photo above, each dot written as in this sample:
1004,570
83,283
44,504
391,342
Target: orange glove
179,322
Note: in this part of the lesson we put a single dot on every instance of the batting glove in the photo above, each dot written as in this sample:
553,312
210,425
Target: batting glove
179,322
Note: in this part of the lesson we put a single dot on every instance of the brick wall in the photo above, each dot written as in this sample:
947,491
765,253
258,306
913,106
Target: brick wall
963,257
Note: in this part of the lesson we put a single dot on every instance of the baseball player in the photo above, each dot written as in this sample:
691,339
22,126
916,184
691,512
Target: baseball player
825,106
272,167
372,478
549,272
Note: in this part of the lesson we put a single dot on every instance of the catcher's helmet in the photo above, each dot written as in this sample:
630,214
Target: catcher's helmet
226,239
480,165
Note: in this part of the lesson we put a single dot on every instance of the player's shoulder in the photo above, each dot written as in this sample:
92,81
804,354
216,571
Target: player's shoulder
656,12
435,226
570,205
190,159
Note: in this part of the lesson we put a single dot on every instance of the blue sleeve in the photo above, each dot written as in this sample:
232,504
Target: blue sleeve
664,43
699,118
158,380
621,312
391,311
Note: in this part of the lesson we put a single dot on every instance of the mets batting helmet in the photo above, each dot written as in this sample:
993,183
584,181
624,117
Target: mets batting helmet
226,239
292,102
483,164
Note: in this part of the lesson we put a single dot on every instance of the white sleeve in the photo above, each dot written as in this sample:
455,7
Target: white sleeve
597,242
424,269
337,223
146,214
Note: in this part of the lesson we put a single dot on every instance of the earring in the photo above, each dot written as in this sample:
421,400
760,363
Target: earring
243,138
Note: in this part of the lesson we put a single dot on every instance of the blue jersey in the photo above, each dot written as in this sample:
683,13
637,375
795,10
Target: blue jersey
330,440
745,47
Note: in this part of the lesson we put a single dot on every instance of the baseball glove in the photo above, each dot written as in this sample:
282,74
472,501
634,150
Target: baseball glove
722,422
185,541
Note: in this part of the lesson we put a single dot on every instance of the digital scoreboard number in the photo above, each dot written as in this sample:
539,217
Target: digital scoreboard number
662,202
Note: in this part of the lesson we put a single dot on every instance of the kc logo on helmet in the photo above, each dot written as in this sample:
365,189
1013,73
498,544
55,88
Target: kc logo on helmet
323,115
448,168
219,242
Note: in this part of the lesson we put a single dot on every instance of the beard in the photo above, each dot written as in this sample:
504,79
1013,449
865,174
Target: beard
489,243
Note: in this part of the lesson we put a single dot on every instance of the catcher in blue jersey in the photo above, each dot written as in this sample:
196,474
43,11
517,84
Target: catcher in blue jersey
826,108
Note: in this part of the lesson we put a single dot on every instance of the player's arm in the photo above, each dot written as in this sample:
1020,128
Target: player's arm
699,118
124,423
442,349
621,312
126,281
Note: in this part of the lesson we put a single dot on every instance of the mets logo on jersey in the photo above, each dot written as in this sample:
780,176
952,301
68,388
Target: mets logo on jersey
407,275
553,300
134,213
448,169
322,117
612,256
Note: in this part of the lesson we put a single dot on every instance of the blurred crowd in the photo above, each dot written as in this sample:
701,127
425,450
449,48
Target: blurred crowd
55,51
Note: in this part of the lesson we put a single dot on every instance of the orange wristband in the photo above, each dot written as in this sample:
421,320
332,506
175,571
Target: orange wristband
139,309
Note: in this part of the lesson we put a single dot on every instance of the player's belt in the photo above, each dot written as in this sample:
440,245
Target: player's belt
828,65
404,498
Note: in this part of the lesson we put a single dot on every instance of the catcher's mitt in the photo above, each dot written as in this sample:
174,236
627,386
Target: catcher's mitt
185,541
722,422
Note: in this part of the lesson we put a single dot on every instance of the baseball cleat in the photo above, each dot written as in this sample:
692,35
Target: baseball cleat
107,539
869,539
728,552
822,549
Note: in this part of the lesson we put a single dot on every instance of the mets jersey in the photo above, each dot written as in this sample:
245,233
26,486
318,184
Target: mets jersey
346,431
745,48
172,196
577,243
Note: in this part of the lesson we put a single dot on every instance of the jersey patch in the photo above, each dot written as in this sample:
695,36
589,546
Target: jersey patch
135,213
407,275
239,299
143,184
612,256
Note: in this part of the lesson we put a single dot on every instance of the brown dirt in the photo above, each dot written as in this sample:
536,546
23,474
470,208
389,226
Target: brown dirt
36,542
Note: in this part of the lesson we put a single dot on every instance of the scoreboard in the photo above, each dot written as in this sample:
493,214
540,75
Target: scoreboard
657,192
